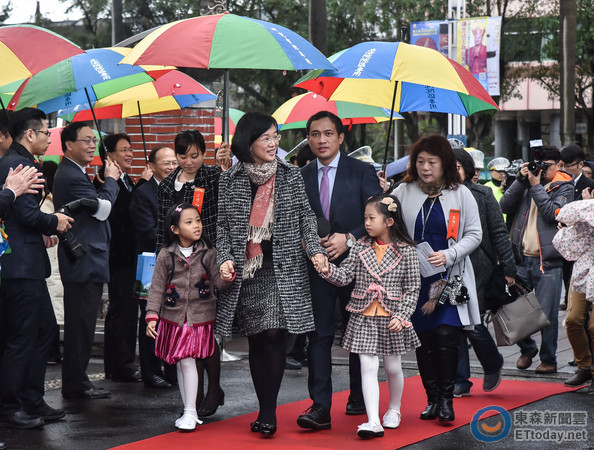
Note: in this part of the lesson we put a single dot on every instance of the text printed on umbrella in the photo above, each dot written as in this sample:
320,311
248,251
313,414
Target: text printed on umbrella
431,96
100,69
281,34
363,62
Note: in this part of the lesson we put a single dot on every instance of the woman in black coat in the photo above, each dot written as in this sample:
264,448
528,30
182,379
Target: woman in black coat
495,252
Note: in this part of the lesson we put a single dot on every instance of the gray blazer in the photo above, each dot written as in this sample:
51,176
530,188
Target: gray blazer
469,236
294,223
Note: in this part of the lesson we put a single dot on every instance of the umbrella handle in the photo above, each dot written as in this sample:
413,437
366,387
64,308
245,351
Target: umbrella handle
390,124
142,132
102,152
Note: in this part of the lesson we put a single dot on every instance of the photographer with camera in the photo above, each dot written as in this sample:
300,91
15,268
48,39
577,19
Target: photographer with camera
28,321
539,191
84,254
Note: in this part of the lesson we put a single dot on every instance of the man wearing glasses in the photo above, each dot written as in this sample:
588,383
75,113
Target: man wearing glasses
533,199
28,322
83,275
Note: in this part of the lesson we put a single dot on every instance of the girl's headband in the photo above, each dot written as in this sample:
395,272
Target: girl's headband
390,203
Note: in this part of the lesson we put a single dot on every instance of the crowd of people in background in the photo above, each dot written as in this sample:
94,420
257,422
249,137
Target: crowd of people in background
268,249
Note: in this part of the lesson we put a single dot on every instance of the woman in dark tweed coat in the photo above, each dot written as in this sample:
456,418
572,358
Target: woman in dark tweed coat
177,188
265,230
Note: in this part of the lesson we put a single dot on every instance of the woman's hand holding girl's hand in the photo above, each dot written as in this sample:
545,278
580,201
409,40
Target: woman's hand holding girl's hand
320,262
227,269
151,329
437,258
395,325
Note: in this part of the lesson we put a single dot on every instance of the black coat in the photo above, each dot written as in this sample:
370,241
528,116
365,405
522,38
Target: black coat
122,247
70,183
143,213
6,200
25,225
583,183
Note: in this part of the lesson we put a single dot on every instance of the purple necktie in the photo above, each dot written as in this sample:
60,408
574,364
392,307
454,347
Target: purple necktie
325,193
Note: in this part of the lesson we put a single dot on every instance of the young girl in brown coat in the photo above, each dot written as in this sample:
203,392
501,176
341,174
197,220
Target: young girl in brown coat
182,298
385,267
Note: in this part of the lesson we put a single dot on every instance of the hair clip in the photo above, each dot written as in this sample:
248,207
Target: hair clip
389,202
178,209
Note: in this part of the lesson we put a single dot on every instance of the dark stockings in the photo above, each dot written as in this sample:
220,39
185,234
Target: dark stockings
212,366
267,365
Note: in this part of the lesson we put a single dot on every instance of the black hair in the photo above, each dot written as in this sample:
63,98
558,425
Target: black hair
48,168
250,127
153,154
5,120
188,138
325,115
398,231
572,153
70,133
172,219
466,162
549,152
24,119
110,141
305,155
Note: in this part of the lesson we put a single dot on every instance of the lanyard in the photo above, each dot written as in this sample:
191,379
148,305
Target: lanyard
426,219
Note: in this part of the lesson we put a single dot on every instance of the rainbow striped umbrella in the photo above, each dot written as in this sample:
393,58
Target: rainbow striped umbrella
226,41
399,76
295,112
83,78
26,50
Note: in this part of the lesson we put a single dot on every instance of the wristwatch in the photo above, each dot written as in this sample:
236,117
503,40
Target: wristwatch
349,240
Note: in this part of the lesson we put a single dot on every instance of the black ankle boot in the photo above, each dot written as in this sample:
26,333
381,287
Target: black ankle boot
446,410
430,412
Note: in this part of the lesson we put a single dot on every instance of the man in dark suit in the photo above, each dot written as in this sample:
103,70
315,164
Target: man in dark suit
143,213
122,312
83,275
338,187
28,320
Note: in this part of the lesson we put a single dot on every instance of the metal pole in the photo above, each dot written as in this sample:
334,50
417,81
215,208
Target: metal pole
102,152
142,132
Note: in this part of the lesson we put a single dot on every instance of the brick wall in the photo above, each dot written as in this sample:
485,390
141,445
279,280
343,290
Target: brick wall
161,129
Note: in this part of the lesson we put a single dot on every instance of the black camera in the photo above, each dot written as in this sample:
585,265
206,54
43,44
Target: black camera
536,165
73,248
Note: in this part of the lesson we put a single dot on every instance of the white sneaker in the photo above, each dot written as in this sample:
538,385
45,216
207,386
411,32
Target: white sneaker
187,422
391,419
369,430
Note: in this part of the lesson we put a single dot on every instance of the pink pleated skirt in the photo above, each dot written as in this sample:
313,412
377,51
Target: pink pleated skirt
175,343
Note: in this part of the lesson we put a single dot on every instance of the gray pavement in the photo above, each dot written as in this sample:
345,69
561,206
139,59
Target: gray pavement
135,412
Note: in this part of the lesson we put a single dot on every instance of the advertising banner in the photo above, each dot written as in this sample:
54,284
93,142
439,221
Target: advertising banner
478,50
432,34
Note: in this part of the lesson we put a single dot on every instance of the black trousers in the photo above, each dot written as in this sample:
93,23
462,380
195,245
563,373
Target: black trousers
81,306
149,364
120,323
319,351
29,326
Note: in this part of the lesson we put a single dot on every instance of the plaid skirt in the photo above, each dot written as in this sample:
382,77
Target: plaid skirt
370,335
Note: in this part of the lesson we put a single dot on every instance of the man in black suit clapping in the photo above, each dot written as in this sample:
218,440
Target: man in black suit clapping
28,320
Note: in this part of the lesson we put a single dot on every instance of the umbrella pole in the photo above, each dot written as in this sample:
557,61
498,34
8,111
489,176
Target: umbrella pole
5,112
390,126
142,132
102,153
225,118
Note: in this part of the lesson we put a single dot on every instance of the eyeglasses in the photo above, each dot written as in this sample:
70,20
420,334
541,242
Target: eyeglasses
267,139
88,141
570,165
47,133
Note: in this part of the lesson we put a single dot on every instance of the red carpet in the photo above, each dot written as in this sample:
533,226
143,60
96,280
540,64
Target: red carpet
235,434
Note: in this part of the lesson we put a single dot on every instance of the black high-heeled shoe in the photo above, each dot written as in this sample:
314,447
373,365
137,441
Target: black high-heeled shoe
207,410
267,429
256,426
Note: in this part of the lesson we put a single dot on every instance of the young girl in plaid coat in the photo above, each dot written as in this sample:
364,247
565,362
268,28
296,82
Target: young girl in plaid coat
385,267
